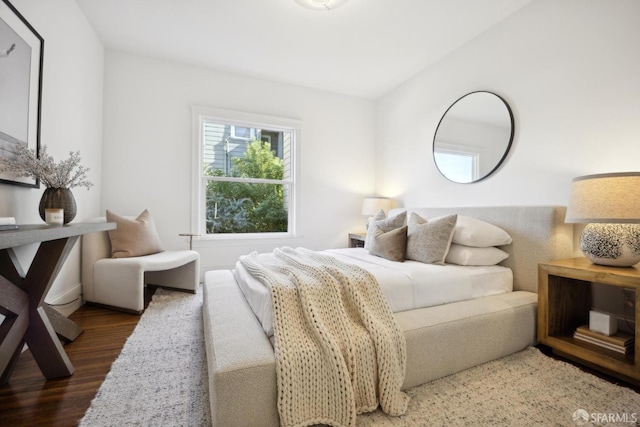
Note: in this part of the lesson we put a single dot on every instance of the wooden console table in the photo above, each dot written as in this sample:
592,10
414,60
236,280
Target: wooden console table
22,296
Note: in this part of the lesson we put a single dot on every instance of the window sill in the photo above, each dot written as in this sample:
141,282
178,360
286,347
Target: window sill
277,239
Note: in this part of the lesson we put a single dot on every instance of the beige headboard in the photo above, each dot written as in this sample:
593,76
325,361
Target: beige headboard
539,235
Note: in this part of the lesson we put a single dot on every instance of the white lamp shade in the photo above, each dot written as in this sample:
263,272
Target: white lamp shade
371,205
605,198
321,4
610,205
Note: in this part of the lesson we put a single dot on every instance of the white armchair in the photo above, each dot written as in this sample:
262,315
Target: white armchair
120,282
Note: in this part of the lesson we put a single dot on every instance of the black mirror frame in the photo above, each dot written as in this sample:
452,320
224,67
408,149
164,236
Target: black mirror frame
506,151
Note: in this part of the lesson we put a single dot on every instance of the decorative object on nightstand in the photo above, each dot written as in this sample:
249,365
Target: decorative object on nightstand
603,323
610,206
618,342
372,205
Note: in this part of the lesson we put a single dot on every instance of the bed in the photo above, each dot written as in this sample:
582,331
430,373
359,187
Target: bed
441,339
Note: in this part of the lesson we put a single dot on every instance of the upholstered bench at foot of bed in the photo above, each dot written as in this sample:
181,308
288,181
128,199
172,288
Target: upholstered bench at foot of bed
441,340
240,359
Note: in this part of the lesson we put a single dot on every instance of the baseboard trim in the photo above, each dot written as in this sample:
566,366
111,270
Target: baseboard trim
67,302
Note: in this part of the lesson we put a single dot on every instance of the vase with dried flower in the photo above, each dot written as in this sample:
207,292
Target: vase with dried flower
58,178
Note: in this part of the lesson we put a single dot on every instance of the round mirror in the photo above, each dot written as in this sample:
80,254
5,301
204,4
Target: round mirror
473,137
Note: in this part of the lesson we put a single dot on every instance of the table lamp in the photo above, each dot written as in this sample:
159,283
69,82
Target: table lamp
610,206
372,205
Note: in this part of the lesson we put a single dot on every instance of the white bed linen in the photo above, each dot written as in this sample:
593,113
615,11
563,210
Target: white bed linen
406,285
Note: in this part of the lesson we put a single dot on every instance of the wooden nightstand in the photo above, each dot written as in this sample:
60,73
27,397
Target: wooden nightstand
356,240
564,301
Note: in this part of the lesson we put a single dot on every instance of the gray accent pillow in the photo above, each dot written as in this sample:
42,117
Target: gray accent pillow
391,245
385,225
429,241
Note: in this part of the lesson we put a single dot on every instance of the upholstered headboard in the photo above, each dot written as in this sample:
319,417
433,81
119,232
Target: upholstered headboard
539,235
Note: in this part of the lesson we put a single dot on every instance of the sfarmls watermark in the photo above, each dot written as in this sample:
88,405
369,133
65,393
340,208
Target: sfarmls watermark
582,417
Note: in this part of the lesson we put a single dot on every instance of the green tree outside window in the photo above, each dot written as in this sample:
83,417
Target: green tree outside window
246,207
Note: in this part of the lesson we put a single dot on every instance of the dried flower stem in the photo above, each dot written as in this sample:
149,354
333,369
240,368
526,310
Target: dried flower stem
67,173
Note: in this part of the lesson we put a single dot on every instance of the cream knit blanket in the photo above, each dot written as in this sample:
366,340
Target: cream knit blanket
339,350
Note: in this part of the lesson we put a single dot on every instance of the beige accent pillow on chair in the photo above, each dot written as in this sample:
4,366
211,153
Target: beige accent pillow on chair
133,237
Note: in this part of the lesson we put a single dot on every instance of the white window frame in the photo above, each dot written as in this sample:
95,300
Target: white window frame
198,188
252,133
462,150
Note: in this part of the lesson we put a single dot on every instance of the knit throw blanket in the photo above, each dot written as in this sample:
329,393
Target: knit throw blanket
339,351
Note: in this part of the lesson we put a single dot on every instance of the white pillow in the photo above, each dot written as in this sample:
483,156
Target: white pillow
480,234
466,255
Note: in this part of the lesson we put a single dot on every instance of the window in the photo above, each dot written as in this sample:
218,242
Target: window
244,173
242,132
458,166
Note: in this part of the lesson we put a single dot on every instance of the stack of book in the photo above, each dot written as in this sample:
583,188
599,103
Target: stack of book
618,342
7,223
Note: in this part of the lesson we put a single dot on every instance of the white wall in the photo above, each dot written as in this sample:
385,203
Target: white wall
570,71
71,121
148,137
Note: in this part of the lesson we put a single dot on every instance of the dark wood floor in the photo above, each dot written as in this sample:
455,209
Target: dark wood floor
31,400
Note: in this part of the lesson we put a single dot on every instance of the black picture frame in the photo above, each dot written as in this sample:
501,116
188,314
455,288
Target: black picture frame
21,63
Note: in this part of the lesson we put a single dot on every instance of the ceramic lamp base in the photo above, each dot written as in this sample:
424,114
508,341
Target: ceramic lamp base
616,245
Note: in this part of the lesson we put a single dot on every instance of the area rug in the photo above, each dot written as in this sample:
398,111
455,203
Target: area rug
525,389
160,379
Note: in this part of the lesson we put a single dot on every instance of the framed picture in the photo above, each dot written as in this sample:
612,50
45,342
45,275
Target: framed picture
21,56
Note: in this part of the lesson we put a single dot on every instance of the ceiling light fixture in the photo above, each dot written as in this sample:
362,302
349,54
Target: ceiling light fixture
321,4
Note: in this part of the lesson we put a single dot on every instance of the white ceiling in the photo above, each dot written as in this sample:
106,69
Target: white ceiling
364,48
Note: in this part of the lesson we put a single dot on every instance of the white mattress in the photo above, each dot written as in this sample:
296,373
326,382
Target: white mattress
406,285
